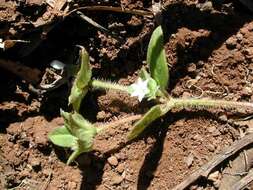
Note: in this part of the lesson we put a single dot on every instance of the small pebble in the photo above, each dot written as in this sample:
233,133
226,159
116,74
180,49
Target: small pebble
117,179
191,68
210,147
223,118
239,37
36,164
211,129
231,43
189,160
197,137
120,168
113,161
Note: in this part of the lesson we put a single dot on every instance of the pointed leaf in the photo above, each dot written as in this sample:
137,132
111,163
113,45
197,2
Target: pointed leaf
156,58
81,128
62,137
154,113
81,83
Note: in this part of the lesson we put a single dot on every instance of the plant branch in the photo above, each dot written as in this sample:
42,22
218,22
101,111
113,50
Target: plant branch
108,85
113,9
206,169
205,103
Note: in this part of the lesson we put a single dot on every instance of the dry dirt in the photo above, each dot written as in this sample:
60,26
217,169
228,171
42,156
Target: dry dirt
210,52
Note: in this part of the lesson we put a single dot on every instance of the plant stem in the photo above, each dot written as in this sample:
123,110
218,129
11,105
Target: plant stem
73,156
108,85
205,103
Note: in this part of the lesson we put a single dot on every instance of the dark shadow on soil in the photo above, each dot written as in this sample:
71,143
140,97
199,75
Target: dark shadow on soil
151,161
159,131
93,174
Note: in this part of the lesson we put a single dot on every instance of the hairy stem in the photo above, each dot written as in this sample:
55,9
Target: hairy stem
73,156
108,85
205,103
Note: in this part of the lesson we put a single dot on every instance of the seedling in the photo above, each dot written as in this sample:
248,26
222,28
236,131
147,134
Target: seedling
77,133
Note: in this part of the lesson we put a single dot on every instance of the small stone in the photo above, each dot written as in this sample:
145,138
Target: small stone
197,137
117,179
121,156
244,31
223,118
247,91
113,161
231,43
210,147
186,95
207,6
47,172
211,129
191,68
120,168
189,160
239,37
72,185
36,164
215,177
101,115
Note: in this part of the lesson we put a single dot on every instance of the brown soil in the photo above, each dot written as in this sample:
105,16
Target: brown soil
210,51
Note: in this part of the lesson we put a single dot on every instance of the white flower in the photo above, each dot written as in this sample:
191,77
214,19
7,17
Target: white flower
2,45
139,89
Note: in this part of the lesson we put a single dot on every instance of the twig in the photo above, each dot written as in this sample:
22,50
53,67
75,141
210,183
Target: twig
244,182
238,169
113,9
205,170
96,25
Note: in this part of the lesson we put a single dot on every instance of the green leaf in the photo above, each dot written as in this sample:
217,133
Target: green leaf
76,96
62,137
154,113
156,58
81,83
82,130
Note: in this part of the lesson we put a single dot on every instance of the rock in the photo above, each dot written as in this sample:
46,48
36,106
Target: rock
231,43
215,178
222,118
113,161
247,91
186,95
72,185
197,137
117,179
207,6
239,37
36,164
210,147
189,160
120,168
211,129
191,68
